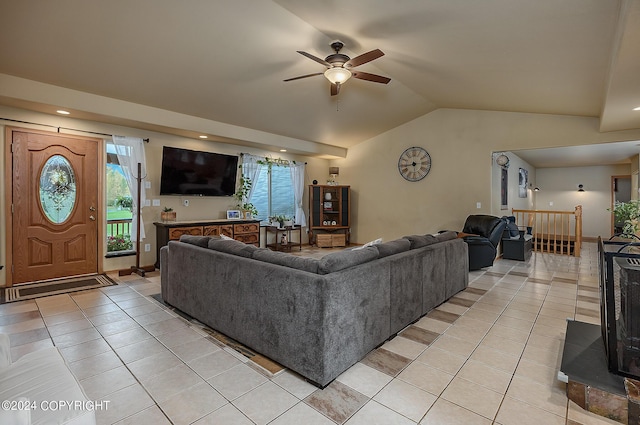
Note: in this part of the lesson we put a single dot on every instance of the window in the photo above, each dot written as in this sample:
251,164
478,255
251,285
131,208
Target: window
273,192
119,204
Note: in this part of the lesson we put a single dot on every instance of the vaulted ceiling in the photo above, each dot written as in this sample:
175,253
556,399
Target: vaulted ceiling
224,61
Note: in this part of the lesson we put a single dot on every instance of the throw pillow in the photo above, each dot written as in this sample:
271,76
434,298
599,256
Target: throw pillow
513,229
393,247
337,261
419,241
370,243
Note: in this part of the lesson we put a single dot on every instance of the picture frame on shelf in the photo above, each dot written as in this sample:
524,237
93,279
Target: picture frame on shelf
234,214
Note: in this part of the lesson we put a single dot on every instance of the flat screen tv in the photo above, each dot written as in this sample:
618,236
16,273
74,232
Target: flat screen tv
196,173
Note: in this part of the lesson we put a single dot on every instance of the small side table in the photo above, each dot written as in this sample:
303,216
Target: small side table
517,248
279,232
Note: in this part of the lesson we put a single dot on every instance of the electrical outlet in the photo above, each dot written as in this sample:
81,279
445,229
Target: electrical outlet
550,203
147,185
147,202
147,247
478,205
185,202
156,202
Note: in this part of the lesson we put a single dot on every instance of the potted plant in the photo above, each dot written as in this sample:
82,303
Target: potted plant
273,221
627,214
168,214
242,197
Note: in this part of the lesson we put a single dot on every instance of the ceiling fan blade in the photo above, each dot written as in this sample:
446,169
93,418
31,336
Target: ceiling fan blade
370,77
315,58
364,58
304,76
335,89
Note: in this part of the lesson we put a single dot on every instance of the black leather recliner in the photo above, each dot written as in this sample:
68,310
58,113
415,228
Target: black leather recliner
486,233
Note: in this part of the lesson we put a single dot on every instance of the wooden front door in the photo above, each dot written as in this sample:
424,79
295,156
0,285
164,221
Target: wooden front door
55,206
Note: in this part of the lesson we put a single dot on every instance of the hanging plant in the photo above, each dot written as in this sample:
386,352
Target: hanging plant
242,195
279,162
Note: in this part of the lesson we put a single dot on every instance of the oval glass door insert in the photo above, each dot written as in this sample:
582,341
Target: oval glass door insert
57,189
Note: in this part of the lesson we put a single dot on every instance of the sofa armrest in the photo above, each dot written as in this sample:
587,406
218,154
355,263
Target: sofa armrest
477,240
5,351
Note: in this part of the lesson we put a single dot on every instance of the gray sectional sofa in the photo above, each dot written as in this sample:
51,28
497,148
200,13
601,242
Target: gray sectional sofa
316,317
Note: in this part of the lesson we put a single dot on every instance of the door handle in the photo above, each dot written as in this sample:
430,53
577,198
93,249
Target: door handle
92,208
92,218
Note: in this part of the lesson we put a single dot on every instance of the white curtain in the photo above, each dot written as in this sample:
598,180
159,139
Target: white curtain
251,169
130,151
297,181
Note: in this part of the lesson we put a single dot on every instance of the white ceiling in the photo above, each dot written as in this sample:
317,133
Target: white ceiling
225,60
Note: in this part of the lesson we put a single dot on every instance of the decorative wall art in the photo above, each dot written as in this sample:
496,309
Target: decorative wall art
504,188
523,181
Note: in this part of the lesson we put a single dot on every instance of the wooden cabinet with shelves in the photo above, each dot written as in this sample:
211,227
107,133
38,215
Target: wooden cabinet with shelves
329,212
247,231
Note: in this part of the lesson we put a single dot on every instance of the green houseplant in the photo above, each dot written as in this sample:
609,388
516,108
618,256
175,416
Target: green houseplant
242,197
168,214
627,214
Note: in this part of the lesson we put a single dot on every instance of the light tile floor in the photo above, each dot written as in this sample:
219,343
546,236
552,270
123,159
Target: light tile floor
488,356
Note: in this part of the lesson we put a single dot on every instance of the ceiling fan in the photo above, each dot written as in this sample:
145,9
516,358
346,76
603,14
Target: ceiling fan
339,67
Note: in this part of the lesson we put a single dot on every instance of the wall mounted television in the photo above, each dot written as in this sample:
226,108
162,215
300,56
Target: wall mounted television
197,173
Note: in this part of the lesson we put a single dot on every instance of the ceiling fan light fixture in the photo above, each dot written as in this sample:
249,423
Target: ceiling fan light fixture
337,75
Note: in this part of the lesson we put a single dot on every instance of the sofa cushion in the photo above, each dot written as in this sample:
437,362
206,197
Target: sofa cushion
419,241
202,241
231,246
344,259
446,236
286,260
393,247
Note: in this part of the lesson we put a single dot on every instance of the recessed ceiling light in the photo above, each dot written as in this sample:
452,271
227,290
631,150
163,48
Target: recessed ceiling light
283,150
63,112
203,137
637,109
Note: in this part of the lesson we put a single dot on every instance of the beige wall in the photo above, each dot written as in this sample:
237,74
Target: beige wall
460,143
199,208
559,191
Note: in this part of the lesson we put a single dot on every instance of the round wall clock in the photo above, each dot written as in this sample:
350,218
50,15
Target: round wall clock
414,164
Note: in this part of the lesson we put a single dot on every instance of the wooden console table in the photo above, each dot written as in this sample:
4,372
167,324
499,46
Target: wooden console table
247,231
279,232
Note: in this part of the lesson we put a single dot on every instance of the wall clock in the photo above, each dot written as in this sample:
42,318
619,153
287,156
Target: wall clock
414,164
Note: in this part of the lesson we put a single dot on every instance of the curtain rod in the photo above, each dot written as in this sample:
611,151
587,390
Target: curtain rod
278,161
61,128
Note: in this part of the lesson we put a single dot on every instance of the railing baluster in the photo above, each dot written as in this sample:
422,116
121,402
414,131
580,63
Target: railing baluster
552,230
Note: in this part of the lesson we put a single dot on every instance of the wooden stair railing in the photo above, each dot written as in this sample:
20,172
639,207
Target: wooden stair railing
558,232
